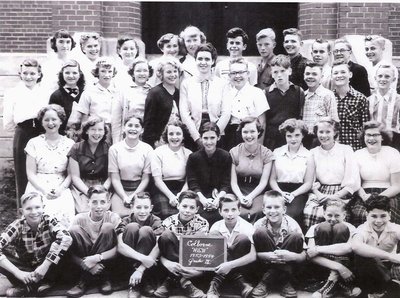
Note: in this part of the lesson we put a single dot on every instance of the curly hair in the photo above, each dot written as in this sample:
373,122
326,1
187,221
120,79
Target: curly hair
62,33
164,61
52,107
32,63
92,121
105,62
81,81
248,120
290,125
177,123
208,47
136,62
122,40
385,133
335,125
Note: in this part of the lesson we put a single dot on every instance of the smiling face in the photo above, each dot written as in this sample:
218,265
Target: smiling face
384,78
204,62
175,136
274,209
105,75
51,122
265,46
71,76
235,46
312,77
341,75
209,140
334,214
133,129
128,51
170,74
63,45
29,75
192,41
171,48
341,52
230,212
142,208
96,133
292,44
250,133
280,74
294,139
141,73
320,53
239,75
98,205
378,219
32,209
187,209
91,48
326,135
373,139
373,51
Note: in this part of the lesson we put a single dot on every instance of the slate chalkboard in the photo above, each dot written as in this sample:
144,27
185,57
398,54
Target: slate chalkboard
202,252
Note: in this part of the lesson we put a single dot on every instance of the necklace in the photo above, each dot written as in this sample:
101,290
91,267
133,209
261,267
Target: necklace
52,144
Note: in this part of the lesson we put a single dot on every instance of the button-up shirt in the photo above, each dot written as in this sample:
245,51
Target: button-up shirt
196,225
386,109
290,167
241,227
387,240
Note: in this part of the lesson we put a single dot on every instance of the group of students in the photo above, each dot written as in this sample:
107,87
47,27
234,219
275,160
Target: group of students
117,136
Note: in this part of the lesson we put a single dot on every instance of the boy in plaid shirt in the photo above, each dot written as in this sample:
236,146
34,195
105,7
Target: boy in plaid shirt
186,222
40,242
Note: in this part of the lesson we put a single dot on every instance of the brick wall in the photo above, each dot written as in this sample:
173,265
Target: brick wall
333,20
25,25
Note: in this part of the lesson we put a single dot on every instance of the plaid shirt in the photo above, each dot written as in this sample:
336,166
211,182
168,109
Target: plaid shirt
353,112
318,104
50,241
194,226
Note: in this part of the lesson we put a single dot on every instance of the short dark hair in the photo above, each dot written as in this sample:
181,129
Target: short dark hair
166,38
238,32
136,62
55,107
313,64
124,38
293,31
134,117
189,194
376,201
142,195
29,196
208,47
248,120
177,123
386,134
96,189
62,33
29,62
291,124
106,63
81,81
209,126
92,121
228,198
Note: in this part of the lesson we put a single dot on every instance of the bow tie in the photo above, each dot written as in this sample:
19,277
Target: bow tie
72,91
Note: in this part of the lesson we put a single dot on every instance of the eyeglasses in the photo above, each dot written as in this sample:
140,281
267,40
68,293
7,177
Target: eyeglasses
235,73
341,51
372,135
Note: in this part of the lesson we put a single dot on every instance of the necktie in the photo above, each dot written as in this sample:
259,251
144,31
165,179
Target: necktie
72,91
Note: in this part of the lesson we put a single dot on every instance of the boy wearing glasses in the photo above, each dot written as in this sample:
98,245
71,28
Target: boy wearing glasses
292,43
246,101
320,52
342,51
237,40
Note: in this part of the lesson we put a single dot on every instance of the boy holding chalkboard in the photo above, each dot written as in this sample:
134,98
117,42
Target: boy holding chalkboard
186,222
238,233
137,241
279,241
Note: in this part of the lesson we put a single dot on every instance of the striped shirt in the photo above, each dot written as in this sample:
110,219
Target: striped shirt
386,109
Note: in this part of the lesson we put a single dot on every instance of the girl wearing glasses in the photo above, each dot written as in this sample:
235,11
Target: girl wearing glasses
379,167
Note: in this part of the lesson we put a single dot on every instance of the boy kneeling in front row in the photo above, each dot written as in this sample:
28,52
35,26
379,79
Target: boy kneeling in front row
238,233
375,243
279,242
40,242
186,222
94,242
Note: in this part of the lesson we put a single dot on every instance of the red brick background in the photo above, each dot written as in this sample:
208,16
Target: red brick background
333,20
25,25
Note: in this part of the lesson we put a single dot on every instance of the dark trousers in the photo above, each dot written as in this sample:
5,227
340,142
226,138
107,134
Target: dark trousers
373,275
141,239
327,234
168,244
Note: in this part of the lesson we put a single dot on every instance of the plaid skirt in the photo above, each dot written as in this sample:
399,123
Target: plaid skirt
313,211
359,212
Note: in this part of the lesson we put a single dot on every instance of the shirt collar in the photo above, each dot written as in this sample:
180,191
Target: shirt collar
109,89
302,152
388,229
317,91
133,85
274,86
387,97
250,154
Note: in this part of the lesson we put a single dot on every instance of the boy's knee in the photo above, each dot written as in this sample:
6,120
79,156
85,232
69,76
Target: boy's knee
340,228
324,227
146,231
132,227
242,240
166,236
75,230
107,228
